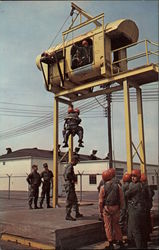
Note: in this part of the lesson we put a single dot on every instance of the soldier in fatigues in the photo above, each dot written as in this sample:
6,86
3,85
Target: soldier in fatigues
123,211
136,196
47,180
110,202
71,197
34,181
71,126
149,204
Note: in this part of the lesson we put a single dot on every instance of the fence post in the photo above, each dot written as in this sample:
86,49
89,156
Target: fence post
9,176
80,174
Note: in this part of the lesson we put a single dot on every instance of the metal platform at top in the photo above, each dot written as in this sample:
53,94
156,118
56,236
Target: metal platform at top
143,74
136,77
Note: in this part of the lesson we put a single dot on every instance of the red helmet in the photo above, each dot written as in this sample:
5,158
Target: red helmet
84,42
136,172
112,172
106,175
126,177
77,110
143,178
70,110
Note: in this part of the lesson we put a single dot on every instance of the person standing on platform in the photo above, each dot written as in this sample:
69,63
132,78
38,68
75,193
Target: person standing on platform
71,197
110,202
136,197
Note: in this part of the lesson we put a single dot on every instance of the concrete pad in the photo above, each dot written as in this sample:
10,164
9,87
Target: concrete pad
48,226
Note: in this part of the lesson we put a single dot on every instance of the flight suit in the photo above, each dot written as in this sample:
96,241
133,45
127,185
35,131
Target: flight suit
123,211
34,181
71,126
110,201
47,176
71,197
136,197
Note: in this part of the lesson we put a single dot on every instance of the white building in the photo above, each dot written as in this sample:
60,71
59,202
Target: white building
14,167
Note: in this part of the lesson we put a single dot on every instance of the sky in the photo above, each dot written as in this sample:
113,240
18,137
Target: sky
27,28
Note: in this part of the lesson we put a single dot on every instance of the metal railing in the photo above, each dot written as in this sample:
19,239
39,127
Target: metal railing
146,53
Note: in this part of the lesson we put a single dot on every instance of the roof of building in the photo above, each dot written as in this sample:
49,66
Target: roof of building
35,152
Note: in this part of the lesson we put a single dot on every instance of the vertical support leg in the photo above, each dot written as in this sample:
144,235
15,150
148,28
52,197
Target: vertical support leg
141,130
70,152
55,154
127,125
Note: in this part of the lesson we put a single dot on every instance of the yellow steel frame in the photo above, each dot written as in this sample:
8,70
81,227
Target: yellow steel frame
123,80
55,154
141,130
127,125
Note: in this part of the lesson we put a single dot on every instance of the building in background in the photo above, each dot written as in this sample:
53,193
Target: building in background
16,165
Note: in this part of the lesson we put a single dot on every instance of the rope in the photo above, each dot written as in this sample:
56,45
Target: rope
59,31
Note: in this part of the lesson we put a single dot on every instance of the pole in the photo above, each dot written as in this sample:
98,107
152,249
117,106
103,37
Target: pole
55,155
141,130
127,125
9,177
70,150
109,129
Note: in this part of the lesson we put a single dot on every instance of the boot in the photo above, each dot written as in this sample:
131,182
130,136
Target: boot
121,245
110,245
65,145
78,215
41,206
36,207
69,217
81,145
48,206
30,207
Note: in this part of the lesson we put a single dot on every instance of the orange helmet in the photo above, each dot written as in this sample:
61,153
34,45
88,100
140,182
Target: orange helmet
126,177
77,110
143,178
84,42
136,172
70,110
112,172
107,175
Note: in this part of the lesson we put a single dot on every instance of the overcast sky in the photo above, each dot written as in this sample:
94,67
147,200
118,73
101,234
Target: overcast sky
27,28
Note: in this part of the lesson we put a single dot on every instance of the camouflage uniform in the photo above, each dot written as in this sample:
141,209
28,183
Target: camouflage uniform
123,211
34,181
47,176
71,197
136,195
71,126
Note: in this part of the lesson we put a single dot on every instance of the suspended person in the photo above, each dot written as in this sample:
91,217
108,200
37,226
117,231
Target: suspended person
47,182
136,197
34,181
71,197
110,203
123,211
71,126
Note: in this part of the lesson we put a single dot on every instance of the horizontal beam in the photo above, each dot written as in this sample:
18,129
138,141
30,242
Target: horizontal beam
116,78
64,101
83,24
84,13
99,92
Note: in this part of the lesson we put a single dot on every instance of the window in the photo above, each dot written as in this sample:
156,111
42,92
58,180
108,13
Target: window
92,179
81,53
